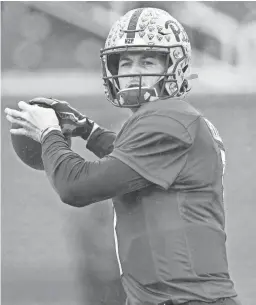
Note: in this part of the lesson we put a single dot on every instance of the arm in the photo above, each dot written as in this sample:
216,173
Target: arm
79,182
74,124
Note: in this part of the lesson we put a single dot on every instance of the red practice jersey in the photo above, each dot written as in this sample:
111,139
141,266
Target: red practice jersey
170,236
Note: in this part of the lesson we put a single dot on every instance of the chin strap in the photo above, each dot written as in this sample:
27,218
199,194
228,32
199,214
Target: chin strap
134,97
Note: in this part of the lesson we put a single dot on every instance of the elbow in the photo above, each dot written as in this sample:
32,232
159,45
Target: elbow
72,202
68,193
76,193
68,196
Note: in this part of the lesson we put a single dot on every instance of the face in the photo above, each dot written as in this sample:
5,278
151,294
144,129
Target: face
140,63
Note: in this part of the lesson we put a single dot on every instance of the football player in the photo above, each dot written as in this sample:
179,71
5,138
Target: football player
164,169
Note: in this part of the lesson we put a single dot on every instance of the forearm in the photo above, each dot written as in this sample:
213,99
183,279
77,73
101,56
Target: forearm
101,142
79,182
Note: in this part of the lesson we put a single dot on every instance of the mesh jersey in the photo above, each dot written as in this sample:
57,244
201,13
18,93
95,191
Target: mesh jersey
171,238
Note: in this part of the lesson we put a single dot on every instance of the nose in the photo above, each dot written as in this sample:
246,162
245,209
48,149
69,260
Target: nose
135,69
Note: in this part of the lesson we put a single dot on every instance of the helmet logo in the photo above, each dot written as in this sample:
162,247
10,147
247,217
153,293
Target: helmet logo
159,28
177,54
152,20
151,28
159,37
142,26
173,87
174,27
129,40
144,19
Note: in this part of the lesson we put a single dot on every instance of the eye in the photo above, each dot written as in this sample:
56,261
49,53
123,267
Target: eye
124,64
147,63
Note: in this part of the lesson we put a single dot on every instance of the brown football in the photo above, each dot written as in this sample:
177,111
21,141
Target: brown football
28,150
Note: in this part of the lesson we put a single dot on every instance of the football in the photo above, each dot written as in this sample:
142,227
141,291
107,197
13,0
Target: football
28,150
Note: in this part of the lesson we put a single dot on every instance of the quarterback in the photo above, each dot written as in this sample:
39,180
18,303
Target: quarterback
163,170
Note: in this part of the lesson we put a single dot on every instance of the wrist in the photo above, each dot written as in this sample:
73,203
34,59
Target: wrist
48,129
95,127
90,126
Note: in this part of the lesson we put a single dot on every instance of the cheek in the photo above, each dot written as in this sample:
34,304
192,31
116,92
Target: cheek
150,80
121,82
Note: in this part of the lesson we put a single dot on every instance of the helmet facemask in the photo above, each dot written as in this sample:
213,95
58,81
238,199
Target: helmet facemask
166,86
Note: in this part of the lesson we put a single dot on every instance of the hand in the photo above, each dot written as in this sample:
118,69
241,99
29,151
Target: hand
73,123
32,119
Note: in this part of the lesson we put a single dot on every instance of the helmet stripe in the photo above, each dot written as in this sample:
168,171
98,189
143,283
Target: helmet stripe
133,23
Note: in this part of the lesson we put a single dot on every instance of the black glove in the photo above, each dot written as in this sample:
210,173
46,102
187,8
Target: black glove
72,122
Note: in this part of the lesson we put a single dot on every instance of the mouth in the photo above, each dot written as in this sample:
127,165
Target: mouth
133,86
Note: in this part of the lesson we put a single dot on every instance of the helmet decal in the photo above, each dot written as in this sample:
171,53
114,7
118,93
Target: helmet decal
174,28
132,25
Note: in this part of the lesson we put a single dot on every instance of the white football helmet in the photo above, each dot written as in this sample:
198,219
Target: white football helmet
147,29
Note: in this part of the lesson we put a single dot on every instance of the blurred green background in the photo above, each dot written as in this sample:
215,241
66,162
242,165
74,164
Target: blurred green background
55,254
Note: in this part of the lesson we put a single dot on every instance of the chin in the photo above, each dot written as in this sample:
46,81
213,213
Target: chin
133,110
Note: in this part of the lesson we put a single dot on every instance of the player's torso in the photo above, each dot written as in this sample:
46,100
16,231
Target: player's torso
176,237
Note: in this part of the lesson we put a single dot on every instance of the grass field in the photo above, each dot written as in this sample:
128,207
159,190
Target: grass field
55,254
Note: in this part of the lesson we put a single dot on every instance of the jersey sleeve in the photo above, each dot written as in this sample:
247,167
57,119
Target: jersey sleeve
155,146
79,182
101,142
